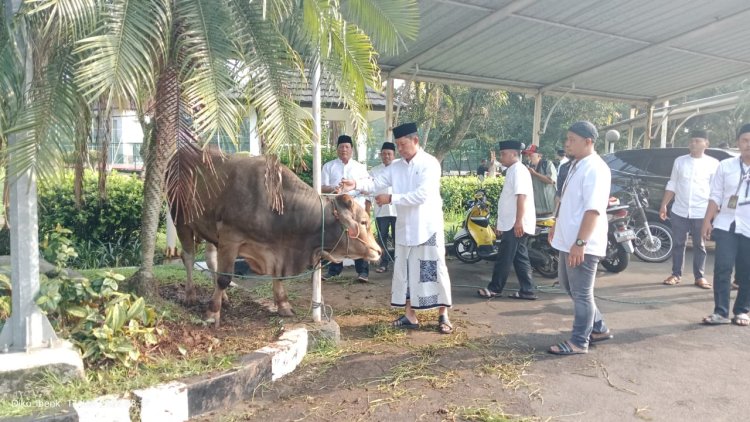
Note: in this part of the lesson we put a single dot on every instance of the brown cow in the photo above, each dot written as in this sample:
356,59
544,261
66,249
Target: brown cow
237,218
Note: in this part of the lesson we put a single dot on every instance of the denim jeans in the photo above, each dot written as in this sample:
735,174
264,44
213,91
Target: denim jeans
742,274
681,226
386,230
726,255
360,265
579,283
512,252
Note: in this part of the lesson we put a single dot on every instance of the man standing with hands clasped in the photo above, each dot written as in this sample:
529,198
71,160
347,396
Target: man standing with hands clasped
516,219
385,216
420,277
689,186
580,234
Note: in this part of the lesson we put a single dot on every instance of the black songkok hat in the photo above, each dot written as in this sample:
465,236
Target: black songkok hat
344,139
743,129
388,145
584,129
698,133
404,129
510,144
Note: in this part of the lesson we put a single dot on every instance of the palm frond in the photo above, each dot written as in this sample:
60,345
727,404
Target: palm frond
45,128
389,23
64,20
205,50
122,58
269,62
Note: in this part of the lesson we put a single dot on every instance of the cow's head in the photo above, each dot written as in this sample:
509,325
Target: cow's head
354,237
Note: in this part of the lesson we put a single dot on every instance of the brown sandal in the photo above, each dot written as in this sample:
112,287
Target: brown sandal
703,283
672,280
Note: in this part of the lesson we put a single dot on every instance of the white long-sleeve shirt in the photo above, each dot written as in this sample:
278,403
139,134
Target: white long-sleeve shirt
384,210
691,183
726,183
416,195
335,170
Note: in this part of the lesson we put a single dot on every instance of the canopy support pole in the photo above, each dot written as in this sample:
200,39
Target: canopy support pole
633,111
664,125
388,109
649,122
536,131
317,296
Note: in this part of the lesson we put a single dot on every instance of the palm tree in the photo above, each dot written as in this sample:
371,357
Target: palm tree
186,63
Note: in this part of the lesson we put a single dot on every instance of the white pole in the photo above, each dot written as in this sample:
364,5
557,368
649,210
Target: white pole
388,109
537,119
664,125
27,328
317,296
171,252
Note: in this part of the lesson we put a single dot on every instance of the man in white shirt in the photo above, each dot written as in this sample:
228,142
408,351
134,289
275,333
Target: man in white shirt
580,234
516,220
689,186
727,221
420,277
331,175
385,215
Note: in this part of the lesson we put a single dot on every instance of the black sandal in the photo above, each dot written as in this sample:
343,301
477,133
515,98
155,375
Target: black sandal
444,325
404,323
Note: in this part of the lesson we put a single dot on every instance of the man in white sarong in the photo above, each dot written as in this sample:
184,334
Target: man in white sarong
420,277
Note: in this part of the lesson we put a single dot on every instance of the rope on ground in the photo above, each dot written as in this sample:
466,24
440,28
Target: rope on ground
552,289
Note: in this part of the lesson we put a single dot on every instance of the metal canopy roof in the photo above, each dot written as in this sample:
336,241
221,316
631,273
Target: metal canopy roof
638,51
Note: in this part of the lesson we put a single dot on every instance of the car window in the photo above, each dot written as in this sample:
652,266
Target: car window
662,161
629,162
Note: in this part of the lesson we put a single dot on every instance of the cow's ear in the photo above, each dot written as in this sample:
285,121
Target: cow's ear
345,200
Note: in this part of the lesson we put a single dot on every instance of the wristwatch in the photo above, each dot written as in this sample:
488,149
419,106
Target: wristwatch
581,242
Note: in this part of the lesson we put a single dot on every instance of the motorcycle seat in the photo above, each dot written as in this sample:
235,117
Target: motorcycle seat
480,221
545,221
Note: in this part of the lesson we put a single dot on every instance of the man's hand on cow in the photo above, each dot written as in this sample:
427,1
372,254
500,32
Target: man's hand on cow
383,199
346,185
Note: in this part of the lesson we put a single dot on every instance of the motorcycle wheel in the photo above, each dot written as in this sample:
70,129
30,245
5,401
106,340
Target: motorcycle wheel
617,258
466,250
549,269
661,246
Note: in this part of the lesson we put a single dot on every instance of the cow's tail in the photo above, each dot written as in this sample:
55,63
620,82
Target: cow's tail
273,179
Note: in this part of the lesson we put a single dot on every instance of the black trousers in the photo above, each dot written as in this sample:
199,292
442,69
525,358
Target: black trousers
360,265
513,251
386,230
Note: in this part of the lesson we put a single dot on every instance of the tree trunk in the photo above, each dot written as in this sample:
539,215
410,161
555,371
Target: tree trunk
161,146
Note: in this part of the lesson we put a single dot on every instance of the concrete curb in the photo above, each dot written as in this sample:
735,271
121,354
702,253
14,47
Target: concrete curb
180,400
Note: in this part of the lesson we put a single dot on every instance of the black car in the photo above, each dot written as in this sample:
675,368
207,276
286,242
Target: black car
653,167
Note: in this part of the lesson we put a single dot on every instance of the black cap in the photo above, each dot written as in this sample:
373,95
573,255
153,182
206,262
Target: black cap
744,129
404,129
388,145
510,144
698,133
584,129
344,139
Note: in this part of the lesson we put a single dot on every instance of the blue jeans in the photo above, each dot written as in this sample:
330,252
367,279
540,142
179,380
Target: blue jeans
731,249
579,283
513,251
360,265
681,226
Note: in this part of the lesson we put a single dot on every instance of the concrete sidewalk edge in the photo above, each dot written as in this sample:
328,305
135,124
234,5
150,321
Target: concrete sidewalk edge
183,399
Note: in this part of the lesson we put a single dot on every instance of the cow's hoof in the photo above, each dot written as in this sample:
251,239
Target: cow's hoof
286,311
213,317
191,297
225,301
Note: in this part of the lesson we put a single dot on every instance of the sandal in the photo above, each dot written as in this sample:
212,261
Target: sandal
381,269
404,323
487,293
715,319
523,295
444,325
564,348
672,280
597,337
742,320
703,283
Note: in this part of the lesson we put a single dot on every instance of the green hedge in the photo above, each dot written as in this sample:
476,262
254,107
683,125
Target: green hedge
116,220
457,190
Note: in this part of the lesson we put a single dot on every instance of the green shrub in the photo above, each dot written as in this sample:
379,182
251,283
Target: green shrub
457,190
119,217
5,289
305,169
106,325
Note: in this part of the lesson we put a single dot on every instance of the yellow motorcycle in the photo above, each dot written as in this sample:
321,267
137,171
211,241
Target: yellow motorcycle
476,239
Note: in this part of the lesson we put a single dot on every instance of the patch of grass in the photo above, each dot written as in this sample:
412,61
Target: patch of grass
484,414
509,366
113,380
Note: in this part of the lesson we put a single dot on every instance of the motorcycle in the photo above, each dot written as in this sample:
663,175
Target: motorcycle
620,237
653,240
476,240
